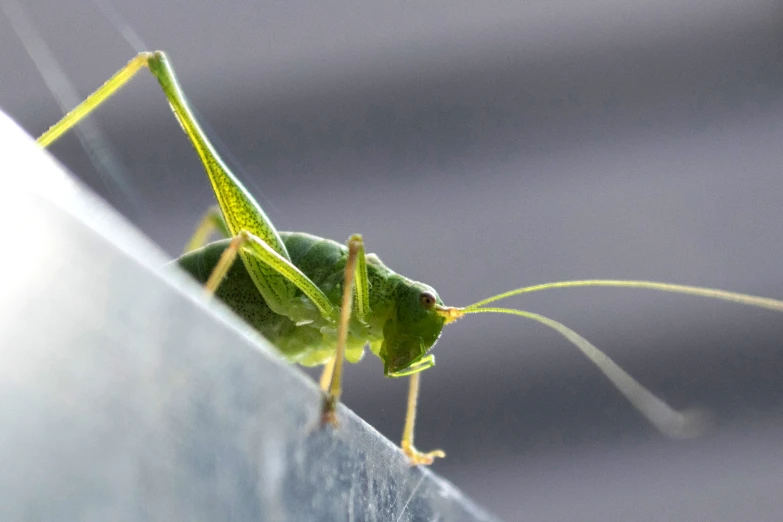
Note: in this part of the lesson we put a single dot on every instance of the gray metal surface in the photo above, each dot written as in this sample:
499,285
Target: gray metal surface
124,397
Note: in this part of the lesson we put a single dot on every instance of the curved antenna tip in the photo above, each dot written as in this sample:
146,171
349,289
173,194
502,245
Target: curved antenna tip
691,423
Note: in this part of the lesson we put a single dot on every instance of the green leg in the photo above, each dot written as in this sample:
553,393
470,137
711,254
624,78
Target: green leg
355,278
361,302
326,375
211,222
255,248
240,210
415,456
81,111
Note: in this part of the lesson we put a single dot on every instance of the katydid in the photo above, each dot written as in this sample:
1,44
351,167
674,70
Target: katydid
321,302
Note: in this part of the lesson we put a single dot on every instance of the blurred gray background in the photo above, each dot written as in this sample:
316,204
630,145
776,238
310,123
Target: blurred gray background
480,147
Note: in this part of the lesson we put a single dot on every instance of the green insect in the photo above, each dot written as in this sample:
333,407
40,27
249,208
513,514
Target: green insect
321,302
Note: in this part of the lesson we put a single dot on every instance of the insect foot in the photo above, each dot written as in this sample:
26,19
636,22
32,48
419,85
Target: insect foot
418,458
329,411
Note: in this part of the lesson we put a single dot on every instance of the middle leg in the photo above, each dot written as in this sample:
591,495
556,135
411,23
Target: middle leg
335,366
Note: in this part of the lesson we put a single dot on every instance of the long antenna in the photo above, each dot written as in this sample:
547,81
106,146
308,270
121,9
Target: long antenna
678,424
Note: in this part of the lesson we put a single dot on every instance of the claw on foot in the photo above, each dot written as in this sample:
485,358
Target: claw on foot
329,411
418,458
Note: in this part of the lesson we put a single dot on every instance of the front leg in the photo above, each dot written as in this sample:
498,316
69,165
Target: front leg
415,456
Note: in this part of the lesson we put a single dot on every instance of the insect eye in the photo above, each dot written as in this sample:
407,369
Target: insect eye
427,300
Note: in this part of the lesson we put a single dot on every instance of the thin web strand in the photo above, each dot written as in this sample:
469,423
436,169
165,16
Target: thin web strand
114,174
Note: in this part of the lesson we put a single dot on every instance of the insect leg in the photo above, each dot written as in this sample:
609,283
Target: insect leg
240,210
263,254
103,93
361,305
353,265
326,375
416,457
211,222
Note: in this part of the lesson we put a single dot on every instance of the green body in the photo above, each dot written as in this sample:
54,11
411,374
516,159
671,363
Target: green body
302,334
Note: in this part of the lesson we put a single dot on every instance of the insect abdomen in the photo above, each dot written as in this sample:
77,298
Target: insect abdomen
322,260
